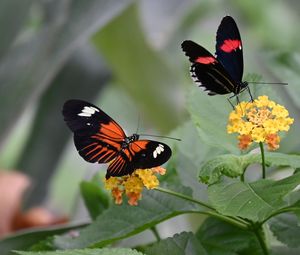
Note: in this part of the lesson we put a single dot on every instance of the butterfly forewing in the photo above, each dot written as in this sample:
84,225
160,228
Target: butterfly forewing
97,136
229,49
207,72
140,154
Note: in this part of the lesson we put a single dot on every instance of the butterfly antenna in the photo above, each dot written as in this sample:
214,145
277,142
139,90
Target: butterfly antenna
161,136
276,83
138,126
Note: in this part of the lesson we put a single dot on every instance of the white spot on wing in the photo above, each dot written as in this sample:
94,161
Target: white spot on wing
88,111
159,149
194,76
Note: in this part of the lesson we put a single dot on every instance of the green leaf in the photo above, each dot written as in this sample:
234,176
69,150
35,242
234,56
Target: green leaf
279,159
187,158
219,237
26,239
96,200
105,251
255,201
119,222
228,165
233,166
286,229
210,114
144,74
283,250
179,244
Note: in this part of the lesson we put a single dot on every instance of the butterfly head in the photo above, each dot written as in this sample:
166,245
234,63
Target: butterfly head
130,139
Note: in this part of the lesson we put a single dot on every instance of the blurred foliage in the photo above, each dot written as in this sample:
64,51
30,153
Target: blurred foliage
125,55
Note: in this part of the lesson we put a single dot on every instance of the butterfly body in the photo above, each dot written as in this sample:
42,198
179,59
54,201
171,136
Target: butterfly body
220,74
98,138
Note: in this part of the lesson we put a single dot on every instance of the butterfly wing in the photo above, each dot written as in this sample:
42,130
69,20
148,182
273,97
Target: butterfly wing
140,154
229,48
97,136
208,73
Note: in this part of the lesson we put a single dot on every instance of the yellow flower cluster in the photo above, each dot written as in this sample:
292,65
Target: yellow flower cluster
132,185
259,121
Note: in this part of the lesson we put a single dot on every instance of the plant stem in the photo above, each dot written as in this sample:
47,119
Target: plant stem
155,233
243,177
233,220
282,210
176,194
258,231
263,163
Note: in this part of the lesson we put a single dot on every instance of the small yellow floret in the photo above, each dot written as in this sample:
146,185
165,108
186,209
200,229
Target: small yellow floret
260,120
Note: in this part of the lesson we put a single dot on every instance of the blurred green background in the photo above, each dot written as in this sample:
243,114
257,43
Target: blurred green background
125,57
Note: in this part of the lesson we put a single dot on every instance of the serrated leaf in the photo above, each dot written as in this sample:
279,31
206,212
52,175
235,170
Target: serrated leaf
105,251
233,166
286,229
219,237
179,244
119,222
96,200
26,239
254,201
228,165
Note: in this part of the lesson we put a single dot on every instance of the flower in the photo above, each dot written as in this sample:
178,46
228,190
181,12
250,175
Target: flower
259,121
133,185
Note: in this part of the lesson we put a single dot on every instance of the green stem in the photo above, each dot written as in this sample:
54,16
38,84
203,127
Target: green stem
155,233
243,177
176,194
283,210
233,220
263,163
259,233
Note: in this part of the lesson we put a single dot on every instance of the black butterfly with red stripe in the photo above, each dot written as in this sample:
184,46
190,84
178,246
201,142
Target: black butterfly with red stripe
98,138
220,74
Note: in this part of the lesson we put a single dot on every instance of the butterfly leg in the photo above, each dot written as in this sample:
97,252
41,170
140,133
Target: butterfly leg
228,99
249,91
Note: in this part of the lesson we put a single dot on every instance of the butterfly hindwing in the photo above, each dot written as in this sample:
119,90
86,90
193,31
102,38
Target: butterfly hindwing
229,48
97,136
140,154
207,72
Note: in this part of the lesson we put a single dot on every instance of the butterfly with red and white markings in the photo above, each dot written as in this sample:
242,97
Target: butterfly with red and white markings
98,138
221,74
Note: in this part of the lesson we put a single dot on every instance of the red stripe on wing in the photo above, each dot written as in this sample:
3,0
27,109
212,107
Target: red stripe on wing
205,60
231,45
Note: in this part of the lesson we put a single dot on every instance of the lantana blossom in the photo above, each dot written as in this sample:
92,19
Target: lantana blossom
133,185
259,121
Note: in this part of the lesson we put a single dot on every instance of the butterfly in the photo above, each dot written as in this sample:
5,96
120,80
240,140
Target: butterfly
220,74
98,138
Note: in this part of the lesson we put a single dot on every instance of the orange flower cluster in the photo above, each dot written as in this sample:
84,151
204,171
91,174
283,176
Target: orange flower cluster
259,121
132,185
